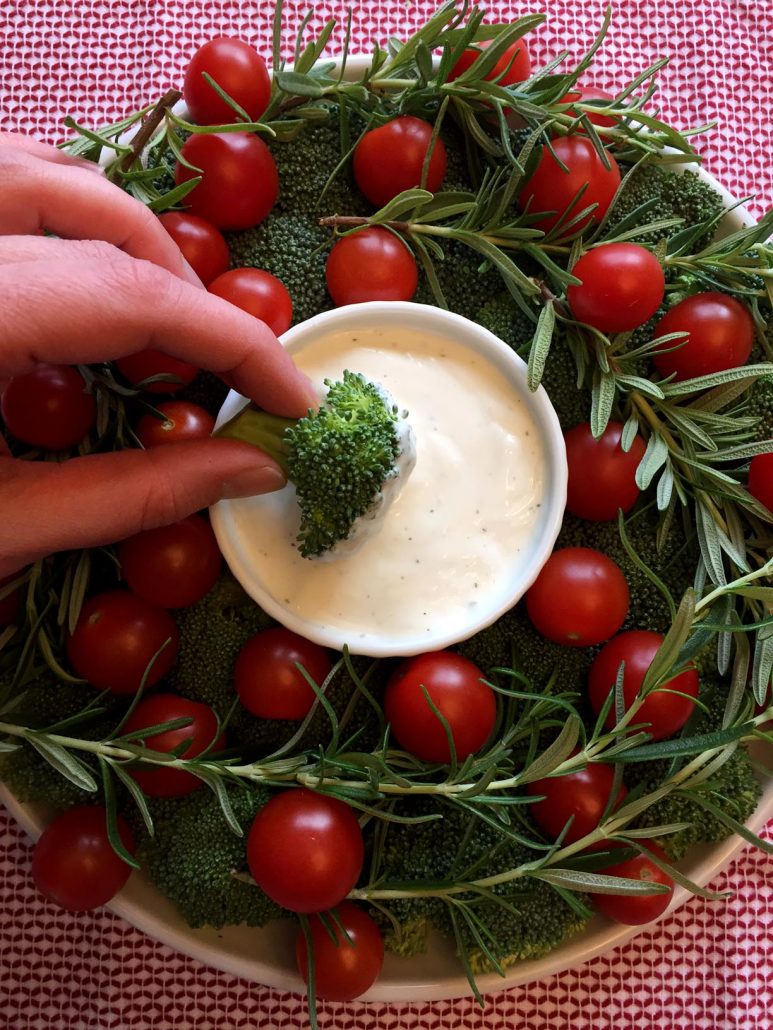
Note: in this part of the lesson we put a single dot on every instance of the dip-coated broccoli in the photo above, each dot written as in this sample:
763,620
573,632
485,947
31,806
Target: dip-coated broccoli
339,458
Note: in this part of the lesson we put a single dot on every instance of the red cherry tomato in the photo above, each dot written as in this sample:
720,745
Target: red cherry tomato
201,731
115,640
172,566
622,286
9,605
761,479
258,293
579,598
48,407
390,159
305,850
371,264
551,189
456,689
513,66
601,473
239,183
583,94
721,336
667,712
581,796
238,70
267,678
346,967
74,863
146,363
182,421
633,910
202,245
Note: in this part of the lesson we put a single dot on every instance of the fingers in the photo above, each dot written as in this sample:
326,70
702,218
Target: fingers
20,249
101,308
68,199
102,498
15,250
45,152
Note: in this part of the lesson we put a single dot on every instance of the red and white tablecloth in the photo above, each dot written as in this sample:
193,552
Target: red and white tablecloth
707,966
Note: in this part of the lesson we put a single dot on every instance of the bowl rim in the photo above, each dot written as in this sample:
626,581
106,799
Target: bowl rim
500,357
599,938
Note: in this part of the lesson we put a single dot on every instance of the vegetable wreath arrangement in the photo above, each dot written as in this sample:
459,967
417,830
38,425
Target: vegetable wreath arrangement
558,763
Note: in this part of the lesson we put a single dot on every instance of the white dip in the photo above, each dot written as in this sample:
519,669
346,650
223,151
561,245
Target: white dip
461,525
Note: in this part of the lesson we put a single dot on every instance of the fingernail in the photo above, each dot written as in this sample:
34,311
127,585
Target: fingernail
314,395
261,480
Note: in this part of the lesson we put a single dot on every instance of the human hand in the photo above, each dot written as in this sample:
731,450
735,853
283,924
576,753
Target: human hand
115,284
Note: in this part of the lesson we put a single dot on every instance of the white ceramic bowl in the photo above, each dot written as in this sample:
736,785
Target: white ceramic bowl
239,524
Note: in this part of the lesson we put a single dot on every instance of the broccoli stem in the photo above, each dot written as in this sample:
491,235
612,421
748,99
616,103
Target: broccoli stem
262,430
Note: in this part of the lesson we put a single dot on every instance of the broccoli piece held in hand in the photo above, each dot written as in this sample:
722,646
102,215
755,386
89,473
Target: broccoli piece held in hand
339,458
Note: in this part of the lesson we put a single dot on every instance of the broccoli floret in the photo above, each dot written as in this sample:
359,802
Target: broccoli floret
430,853
571,402
462,281
212,633
733,788
674,564
25,772
678,194
339,458
761,406
293,247
513,643
502,316
306,164
192,855
31,779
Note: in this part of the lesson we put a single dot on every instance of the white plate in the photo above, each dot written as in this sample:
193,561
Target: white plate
266,956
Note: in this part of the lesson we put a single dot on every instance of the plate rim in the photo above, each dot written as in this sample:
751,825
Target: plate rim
601,937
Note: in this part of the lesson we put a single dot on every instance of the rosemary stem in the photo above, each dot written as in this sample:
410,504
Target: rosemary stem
645,408
763,571
376,82
143,137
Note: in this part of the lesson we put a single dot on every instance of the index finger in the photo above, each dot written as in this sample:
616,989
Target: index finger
101,307
45,151
69,200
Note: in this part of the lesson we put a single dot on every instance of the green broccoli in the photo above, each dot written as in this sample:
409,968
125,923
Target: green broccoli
513,643
212,633
339,458
761,406
293,248
502,317
25,772
677,194
192,855
464,280
307,167
674,564
734,788
431,852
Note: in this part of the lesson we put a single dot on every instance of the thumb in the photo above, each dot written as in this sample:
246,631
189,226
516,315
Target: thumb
102,498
